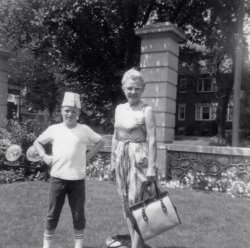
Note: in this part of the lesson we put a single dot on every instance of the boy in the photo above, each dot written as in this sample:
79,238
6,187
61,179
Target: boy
69,140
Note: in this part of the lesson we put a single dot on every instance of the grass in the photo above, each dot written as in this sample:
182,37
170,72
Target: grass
209,220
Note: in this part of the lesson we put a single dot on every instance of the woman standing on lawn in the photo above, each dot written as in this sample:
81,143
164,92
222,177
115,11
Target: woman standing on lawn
133,147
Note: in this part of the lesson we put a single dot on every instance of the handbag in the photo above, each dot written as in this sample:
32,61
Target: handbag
155,214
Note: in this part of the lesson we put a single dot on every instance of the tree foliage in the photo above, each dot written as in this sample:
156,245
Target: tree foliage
21,34
86,45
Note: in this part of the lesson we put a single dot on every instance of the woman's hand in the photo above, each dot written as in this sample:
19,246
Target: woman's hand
151,174
111,171
47,159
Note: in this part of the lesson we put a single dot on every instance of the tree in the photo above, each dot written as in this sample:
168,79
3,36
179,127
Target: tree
86,45
21,34
95,42
226,18
211,24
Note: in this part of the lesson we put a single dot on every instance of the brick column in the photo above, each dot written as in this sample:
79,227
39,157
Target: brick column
159,65
4,70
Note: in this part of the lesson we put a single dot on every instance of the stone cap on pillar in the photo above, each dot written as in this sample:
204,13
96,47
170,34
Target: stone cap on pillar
160,29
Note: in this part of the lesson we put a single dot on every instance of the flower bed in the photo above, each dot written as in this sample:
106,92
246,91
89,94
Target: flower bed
15,171
228,183
21,169
99,167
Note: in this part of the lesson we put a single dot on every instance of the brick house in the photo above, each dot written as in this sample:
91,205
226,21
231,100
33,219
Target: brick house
196,106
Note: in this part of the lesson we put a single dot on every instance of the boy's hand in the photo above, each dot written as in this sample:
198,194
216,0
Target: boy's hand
47,159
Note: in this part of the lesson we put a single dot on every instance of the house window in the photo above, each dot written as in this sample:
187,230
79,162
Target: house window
181,112
183,85
205,112
206,85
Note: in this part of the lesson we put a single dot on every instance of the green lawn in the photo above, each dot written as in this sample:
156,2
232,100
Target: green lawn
209,220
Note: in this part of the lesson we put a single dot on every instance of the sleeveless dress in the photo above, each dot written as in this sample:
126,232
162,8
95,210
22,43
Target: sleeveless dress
131,154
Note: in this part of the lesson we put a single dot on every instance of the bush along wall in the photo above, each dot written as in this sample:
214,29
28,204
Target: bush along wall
99,167
22,169
223,169
16,133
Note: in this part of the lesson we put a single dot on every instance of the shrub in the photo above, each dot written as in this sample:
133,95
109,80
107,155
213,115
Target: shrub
10,176
99,167
17,133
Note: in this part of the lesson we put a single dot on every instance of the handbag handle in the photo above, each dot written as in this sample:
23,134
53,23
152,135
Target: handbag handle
147,188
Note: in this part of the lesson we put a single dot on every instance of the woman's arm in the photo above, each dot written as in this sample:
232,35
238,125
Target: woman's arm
152,148
113,147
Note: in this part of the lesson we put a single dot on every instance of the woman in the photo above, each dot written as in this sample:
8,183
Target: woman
133,147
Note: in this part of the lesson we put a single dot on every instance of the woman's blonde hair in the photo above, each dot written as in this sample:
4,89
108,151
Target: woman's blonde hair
132,74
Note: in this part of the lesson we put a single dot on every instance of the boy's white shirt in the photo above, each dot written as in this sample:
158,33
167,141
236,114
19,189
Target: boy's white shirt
69,149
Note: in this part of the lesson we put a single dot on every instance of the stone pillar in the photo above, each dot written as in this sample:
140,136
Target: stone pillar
159,65
4,70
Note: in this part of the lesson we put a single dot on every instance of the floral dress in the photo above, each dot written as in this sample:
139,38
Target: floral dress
130,156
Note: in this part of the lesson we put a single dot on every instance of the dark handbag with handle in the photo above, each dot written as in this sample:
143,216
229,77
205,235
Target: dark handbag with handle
155,213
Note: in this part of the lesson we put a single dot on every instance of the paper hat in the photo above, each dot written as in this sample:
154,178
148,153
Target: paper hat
72,100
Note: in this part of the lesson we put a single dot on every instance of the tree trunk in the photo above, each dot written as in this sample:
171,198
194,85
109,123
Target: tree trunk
221,119
225,85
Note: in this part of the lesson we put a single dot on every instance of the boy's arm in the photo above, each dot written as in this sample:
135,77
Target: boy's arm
92,152
40,149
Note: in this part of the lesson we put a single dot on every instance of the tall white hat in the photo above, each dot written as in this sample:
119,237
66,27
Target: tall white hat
71,100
